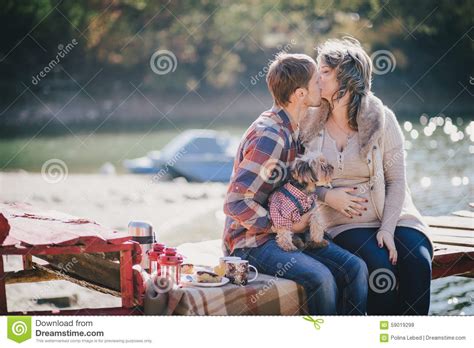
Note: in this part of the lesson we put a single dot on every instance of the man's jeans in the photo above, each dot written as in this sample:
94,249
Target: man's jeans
335,280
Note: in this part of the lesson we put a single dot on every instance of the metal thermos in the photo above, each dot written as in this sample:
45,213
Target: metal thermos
142,232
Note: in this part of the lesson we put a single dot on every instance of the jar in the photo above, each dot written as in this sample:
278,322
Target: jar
170,265
153,256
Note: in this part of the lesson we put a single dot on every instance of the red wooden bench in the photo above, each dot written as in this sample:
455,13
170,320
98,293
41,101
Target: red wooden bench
27,231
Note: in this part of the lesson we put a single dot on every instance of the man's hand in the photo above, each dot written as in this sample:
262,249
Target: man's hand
386,238
303,224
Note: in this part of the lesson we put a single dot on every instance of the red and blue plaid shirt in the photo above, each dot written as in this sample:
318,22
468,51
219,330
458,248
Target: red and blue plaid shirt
261,165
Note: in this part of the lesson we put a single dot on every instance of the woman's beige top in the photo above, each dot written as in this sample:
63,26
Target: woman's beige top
350,170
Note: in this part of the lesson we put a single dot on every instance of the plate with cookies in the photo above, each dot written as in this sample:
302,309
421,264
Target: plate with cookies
202,277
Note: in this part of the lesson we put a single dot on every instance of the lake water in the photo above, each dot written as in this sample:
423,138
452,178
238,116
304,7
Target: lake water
440,172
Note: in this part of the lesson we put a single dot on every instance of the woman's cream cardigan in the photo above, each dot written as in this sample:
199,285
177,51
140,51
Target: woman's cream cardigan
381,143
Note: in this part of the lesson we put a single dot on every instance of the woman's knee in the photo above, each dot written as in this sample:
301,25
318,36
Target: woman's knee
410,241
416,263
415,251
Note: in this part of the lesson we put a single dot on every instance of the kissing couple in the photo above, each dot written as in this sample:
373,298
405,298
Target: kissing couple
319,181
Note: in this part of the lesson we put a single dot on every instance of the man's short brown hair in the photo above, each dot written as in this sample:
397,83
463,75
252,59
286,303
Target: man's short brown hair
288,72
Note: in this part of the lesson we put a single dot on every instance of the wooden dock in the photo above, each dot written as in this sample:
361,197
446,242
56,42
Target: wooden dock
453,237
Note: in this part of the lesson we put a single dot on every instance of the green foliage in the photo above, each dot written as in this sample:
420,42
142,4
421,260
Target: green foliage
220,43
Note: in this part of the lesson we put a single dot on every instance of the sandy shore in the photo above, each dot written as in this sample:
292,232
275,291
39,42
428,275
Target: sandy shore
180,212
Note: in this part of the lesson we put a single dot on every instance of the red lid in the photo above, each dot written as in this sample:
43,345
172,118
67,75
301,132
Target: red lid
170,251
170,260
158,247
157,250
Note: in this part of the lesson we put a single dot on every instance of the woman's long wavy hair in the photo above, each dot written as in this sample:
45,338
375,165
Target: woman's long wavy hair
353,72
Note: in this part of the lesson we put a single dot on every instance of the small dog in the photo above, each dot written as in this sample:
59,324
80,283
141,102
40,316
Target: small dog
289,202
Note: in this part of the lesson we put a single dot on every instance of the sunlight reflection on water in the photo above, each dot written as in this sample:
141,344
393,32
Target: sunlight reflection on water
440,175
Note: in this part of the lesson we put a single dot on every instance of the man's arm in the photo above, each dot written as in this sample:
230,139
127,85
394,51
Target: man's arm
252,182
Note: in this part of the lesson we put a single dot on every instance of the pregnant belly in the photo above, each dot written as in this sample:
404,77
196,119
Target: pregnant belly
333,217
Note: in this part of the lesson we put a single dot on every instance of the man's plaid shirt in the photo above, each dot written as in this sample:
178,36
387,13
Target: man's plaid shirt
261,165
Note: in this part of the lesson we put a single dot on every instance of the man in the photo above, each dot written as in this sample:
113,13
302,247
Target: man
262,163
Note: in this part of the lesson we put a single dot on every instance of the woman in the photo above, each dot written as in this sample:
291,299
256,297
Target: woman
368,210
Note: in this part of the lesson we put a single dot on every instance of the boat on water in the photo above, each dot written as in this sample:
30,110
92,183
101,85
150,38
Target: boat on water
199,155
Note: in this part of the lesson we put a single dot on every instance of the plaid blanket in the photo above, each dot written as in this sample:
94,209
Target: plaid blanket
267,295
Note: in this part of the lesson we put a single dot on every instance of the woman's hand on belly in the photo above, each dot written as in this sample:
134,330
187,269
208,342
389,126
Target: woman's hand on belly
343,200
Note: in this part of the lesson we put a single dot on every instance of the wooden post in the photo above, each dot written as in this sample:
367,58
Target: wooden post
3,290
27,262
126,278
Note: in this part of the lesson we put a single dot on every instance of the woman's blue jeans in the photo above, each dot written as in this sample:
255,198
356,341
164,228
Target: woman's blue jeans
403,289
335,281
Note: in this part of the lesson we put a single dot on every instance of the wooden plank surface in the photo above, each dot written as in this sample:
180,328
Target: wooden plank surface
441,249
452,236
464,213
30,226
455,222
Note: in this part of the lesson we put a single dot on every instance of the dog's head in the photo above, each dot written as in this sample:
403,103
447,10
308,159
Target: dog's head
312,170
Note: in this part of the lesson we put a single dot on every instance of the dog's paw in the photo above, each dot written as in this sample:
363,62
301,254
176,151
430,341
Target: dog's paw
285,241
289,247
316,245
286,244
298,243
